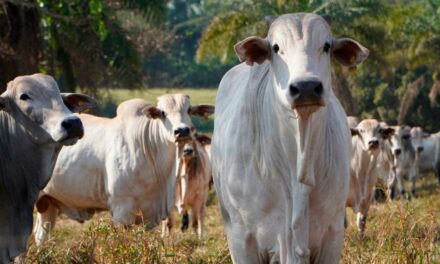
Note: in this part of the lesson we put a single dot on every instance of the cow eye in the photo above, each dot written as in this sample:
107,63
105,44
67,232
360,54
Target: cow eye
163,114
189,111
276,48
24,97
326,47
361,130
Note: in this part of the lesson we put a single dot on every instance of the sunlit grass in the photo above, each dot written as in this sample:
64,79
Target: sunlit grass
398,232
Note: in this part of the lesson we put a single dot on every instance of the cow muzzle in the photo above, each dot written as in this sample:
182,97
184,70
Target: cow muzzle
182,134
419,149
373,144
307,94
397,152
74,130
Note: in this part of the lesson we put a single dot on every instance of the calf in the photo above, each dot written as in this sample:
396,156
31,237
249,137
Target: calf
368,138
404,158
192,186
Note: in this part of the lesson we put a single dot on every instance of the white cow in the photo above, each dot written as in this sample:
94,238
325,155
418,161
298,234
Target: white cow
367,143
34,125
404,158
386,172
426,159
192,186
281,144
125,165
430,156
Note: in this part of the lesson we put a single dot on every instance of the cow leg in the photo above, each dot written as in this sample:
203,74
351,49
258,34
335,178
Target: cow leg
44,223
413,187
331,248
401,184
167,225
243,246
197,218
123,211
361,217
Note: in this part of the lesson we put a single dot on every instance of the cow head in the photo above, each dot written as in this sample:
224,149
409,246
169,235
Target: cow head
417,136
299,47
35,102
401,136
175,111
371,133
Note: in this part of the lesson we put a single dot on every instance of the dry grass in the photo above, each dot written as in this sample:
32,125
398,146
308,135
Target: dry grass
398,232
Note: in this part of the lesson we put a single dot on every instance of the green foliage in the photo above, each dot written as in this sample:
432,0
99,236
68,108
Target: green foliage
402,36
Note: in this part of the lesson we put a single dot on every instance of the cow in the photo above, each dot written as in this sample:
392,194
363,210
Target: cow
193,178
404,159
385,167
126,165
429,160
35,124
281,144
367,142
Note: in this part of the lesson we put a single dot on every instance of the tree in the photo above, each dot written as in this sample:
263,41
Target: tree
80,42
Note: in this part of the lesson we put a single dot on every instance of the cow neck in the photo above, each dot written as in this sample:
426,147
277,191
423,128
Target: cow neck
25,168
151,137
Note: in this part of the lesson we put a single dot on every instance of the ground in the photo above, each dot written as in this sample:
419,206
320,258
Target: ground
401,231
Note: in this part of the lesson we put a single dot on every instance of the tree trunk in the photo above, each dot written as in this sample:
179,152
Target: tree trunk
20,45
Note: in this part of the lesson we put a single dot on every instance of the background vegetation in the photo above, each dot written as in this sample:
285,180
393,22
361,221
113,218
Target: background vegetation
188,43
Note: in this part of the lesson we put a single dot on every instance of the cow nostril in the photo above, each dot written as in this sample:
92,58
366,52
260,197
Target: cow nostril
397,151
176,132
294,91
319,89
66,125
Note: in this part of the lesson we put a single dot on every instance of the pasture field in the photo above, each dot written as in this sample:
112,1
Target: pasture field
398,232
401,231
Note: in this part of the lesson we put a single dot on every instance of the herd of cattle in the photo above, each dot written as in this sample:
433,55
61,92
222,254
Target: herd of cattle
283,163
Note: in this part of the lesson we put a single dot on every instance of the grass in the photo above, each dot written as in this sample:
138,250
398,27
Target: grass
397,232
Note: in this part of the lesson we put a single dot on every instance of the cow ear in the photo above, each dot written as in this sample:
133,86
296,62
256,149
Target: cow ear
79,103
386,133
152,112
253,49
354,132
203,139
202,110
426,135
349,52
